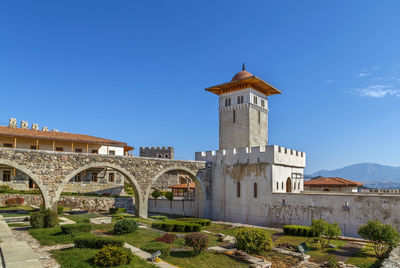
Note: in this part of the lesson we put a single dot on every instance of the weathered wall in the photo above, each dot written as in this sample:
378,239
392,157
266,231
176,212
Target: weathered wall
176,207
90,203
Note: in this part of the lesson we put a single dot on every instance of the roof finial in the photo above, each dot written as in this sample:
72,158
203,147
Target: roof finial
244,67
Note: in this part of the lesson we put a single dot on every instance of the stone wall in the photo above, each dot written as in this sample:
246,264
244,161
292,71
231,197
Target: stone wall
157,152
176,207
89,203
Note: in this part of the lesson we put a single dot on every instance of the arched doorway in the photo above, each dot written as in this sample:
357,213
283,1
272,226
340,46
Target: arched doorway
139,205
18,177
289,185
189,192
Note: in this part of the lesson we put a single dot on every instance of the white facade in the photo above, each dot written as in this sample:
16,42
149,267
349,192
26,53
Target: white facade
111,150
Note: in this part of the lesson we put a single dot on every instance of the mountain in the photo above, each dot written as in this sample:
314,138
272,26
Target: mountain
370,174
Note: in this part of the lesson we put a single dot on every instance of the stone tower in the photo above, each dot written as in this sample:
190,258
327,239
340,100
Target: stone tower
243,111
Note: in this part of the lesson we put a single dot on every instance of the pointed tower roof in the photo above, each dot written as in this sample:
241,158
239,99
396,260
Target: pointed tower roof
242,80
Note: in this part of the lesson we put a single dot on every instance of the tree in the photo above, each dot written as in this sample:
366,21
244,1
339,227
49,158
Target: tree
384,237
325,231
170,197
156,194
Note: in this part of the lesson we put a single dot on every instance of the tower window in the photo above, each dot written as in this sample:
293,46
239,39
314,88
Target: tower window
229,102
226,102
262,103
234,116
277,185
111,177
238,189
255,99
255,190
241,99
282,185
259,117
238,100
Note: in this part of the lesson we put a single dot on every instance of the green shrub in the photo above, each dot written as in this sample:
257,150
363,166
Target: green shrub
76,228
121,210
176,226
125,226
154,246
94,241
60,209
50,218
85,220
198,241
298,230
112,256
158,217
325,231
113,210
44,219
253,241
202,222
384,237
4,188
37,220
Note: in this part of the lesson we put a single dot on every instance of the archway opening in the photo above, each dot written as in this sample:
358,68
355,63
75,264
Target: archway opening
20,189
101,180
176,191
288,185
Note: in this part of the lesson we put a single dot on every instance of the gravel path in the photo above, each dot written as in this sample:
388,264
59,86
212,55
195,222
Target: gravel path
43,252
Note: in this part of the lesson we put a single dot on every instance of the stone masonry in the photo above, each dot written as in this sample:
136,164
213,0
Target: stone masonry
51,171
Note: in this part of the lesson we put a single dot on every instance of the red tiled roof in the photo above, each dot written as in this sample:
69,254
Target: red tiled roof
55,136
331,182
183,186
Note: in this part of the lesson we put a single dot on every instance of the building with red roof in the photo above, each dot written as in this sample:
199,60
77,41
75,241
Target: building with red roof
334,184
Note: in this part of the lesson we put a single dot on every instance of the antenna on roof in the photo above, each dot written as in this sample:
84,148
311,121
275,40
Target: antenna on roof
243,67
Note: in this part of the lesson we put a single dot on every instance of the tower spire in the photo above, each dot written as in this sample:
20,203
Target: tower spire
243,67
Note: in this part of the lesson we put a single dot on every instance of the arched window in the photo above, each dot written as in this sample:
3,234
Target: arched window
234,116
166,156
282,185
226,102
298,185
238,189
288,185
255,190
277,185
241,99
238,101
294,186
229,101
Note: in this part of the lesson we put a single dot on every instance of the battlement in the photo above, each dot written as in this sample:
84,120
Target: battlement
272,154
157,152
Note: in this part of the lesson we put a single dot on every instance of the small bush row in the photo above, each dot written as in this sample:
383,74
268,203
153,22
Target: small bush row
76,228
94,241
116,210
14,201
158,217
154,246
298,230
202,222
176,226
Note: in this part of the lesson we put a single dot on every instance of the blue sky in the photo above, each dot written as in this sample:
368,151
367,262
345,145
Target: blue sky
136,71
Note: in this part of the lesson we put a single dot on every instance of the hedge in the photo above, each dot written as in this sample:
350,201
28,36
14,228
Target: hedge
94,241
76,228
176,226
158,217
298,230
154,246
202,222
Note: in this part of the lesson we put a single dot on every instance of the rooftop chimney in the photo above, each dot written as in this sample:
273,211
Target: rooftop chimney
12,122
24,124
35,126
45,129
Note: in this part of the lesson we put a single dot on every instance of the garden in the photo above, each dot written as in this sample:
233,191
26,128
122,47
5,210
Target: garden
186,242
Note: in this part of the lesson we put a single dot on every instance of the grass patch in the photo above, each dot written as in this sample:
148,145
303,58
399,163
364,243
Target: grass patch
81,258
365,258
206,259
50,236
17,225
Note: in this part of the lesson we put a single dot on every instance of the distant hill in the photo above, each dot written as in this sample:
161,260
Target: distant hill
370,174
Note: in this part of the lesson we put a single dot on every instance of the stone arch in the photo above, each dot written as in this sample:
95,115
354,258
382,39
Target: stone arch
140,205
43,189
200,188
